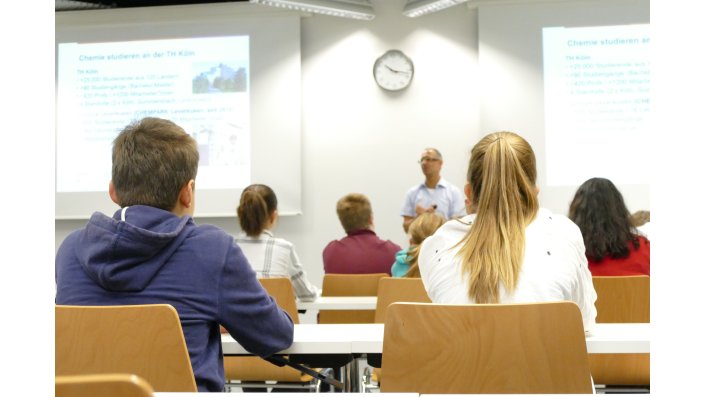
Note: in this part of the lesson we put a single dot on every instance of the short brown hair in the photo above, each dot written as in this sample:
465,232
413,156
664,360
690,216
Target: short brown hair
152,160
354,211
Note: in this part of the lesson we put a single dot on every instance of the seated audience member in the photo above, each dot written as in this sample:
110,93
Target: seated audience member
406,260
508,250
269,256
151,251
361,251
641,220
435,194
613,245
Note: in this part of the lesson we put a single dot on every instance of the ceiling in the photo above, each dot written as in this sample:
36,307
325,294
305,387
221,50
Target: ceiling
69,5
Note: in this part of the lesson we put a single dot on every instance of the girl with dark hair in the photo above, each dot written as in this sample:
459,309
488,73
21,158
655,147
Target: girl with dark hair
613,245
269,256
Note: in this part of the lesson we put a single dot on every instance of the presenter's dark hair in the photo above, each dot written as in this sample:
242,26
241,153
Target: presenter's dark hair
599,211
153,159
257,202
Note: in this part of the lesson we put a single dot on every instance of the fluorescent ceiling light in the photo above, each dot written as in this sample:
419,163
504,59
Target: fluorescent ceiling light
415,8
70,5
355,9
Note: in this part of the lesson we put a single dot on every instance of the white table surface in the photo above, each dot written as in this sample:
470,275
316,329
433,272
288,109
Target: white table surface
340,303
368,338
620,338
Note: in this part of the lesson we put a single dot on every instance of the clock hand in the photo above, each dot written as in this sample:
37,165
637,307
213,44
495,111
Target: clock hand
396,71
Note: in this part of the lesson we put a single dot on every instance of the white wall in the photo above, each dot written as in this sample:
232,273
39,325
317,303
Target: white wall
358,138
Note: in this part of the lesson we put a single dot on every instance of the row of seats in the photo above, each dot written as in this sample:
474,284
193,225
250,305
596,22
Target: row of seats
620,300
86,333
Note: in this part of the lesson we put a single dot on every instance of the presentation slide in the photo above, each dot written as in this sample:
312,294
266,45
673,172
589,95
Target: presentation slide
229,74
202,84
597,103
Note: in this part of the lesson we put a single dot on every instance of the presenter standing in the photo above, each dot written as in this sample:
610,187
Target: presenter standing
435,194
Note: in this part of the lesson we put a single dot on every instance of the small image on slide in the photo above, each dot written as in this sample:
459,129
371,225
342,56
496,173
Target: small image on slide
210,78
223,144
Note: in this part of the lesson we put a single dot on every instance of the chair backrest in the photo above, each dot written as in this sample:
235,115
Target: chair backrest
254,368
145,340
349,285
282,291
396,289
622,299
103,385
490,349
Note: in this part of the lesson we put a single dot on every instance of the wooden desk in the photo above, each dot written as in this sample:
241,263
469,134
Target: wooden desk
368,338
340,303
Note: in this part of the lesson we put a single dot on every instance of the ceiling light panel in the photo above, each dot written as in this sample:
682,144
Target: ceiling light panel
355,9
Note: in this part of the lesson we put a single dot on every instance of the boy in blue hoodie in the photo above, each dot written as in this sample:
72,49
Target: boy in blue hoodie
151,251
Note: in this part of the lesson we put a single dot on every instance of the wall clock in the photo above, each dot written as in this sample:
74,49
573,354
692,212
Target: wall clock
393,70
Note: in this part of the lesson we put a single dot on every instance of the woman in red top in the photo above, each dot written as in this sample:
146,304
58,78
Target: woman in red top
612,245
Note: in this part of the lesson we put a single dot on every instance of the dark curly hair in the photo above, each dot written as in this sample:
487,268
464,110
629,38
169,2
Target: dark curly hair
599,211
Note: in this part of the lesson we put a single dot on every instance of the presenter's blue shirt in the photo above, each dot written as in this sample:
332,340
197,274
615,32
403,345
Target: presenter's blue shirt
447,198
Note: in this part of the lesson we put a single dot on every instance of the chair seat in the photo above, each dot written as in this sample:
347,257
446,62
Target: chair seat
103,385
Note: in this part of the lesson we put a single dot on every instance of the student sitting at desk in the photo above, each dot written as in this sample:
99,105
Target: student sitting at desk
269,256
614,247
508,250
424,225
361,251
151,251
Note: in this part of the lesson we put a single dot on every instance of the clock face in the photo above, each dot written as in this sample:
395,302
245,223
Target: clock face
393,70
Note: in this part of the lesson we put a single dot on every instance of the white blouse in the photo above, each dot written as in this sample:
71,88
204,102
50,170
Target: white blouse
554,268
276,257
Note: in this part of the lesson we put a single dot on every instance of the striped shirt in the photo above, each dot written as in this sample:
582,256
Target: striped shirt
276,257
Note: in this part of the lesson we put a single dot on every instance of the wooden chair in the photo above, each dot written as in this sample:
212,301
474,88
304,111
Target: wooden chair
392,290
344,285
145,340
254,369
395,289
621,299
349,285
103,385
485,349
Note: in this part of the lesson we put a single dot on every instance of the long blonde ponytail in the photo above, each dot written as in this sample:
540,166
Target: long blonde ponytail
502,176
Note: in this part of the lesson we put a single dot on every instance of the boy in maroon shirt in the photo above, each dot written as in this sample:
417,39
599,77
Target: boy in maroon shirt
361,251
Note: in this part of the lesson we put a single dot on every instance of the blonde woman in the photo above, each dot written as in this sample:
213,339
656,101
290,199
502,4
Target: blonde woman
406,264
508,250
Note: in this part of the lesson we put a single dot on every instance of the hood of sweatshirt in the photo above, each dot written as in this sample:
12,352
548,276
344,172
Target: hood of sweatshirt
125,252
